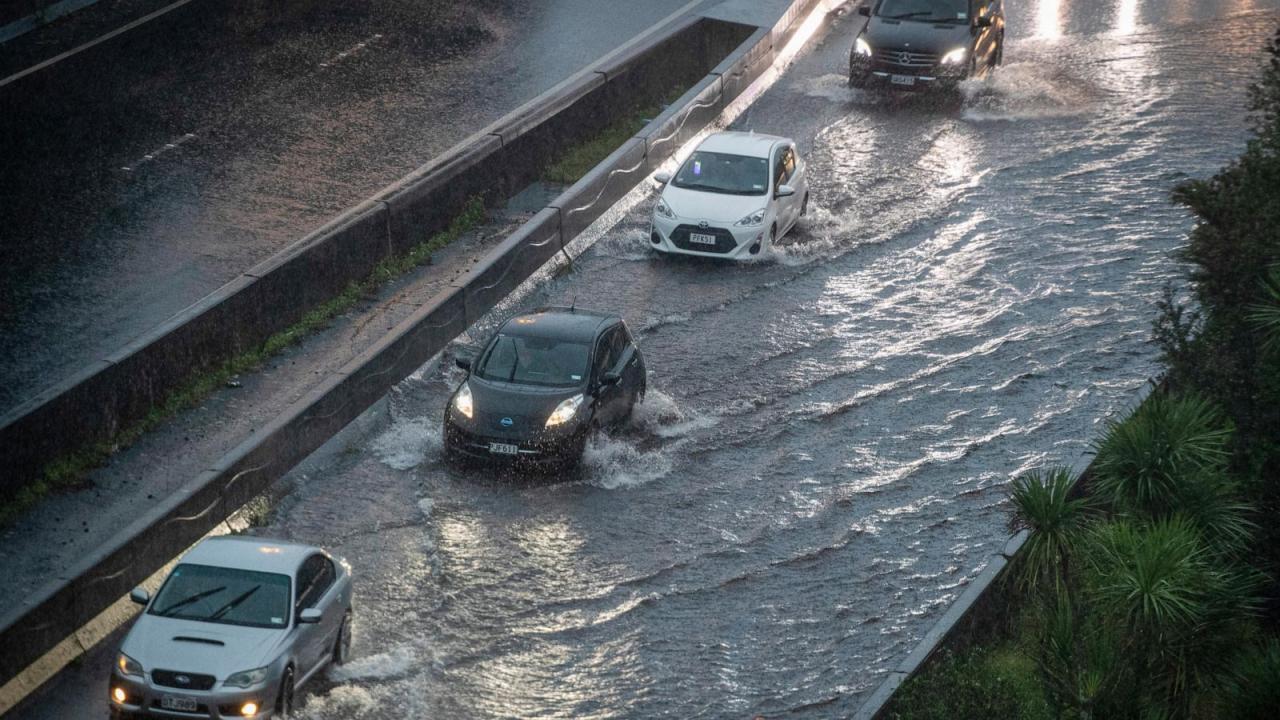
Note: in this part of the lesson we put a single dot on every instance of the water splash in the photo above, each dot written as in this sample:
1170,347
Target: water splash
1026,91
408,442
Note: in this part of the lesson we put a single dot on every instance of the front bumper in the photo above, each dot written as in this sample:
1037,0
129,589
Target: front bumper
736,243
546,447
143,699
866,73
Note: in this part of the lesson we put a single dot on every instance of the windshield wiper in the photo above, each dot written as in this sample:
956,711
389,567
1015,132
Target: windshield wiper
193,598
906,16
232,605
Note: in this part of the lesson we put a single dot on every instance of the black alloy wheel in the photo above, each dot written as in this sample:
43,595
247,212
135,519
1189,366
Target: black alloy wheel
284,702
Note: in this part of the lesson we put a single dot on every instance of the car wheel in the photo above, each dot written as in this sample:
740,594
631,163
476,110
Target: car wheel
804,205
284,701
773,235
342,646
997,58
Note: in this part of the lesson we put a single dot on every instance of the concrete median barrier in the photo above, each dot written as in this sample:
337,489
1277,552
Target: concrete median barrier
510,264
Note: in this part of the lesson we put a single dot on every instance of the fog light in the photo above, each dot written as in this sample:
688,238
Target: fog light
655,238
118,694
249,709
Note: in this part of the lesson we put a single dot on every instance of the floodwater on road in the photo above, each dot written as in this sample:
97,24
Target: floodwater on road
820,465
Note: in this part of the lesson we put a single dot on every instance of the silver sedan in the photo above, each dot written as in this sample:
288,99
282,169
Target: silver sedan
238,626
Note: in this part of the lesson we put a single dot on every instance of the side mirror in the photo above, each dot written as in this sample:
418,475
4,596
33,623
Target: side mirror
610,379
864,10
140,596
662,178
784,191
463,362
310,616
983,22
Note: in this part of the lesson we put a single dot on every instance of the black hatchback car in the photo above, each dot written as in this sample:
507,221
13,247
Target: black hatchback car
540,387
913,44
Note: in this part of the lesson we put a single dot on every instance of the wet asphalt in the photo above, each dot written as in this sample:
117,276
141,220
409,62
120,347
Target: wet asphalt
143,174
820,465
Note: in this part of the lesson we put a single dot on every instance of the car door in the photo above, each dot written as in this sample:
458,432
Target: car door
633,371
312,582
984,44
610,403
784,171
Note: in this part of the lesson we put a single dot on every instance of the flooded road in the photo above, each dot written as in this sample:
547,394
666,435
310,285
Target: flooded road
821,461
229,129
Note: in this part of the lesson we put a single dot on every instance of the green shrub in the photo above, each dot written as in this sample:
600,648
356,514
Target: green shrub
998,683
1251,690
1042,503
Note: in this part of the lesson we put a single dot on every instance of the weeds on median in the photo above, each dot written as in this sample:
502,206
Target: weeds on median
71,470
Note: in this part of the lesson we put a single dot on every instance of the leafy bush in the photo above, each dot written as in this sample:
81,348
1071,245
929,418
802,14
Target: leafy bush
997,683
1042,504
1252,687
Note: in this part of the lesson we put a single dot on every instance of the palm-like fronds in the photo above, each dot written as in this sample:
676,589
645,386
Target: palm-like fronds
1042,503
1251,689
1155,577
1146,461
1265,316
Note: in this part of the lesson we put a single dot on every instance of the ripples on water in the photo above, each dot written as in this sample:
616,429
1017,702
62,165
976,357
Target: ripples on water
819,466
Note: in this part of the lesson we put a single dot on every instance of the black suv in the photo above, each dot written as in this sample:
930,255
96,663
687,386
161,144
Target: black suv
542,384
911,44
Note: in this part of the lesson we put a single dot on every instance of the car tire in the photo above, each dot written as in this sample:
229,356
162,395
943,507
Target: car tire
284,700
804,205
342,645
773,236
997,58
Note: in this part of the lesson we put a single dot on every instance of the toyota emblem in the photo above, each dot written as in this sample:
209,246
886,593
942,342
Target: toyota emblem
704,224
182,679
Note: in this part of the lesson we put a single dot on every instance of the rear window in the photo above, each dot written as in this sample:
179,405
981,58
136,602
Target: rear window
534,361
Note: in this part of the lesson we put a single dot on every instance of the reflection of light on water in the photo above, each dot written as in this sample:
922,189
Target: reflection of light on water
1049,19
1126,17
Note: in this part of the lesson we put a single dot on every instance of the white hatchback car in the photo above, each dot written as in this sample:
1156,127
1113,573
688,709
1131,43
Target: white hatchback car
734,196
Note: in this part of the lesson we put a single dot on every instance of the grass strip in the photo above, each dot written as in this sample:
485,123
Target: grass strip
580,159
71,470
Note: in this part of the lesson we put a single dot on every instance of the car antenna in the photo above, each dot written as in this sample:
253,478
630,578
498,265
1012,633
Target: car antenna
573,304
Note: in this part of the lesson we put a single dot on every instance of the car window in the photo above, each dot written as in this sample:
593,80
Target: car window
224,595
609,351
724,173
314,579
529,360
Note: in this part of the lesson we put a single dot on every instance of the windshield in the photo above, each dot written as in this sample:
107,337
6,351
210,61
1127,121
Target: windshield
534,361
722,173
224,595
954,11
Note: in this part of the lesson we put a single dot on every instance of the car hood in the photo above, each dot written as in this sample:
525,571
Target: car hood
527,406
200,647
939,39
714,207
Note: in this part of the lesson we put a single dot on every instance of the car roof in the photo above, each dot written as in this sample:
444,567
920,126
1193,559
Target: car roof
244,552
741,143
559,323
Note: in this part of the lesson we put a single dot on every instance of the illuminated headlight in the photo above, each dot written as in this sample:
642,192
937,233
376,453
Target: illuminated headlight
860,47
247,678
752,220
120,696
249,709
462,401
129,666
665,210
565,411
955,57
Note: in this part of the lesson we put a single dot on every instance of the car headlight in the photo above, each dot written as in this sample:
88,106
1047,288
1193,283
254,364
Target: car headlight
753,219
246,678
955,57
462,401
861,47
129,666
665,210
565,411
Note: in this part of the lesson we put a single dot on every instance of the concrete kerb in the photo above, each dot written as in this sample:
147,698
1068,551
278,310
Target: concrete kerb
599,189
143,548
748,63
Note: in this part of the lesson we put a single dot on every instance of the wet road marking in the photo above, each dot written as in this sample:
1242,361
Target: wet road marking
350,51
118,31
167,147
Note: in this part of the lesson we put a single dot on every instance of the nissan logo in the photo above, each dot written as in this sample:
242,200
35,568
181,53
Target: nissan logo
507,422
182,679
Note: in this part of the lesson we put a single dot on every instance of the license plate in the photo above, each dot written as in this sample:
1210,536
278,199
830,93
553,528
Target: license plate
504,449
181,704
902,79
702,239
